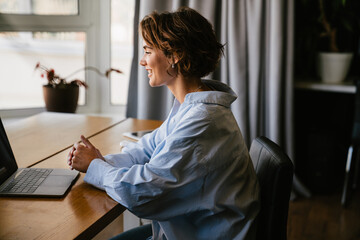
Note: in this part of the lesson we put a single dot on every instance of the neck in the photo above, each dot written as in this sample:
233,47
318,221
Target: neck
182,86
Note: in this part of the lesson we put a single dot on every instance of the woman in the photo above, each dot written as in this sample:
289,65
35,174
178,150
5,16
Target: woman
192,176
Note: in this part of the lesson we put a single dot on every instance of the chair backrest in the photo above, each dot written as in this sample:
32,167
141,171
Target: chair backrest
275,172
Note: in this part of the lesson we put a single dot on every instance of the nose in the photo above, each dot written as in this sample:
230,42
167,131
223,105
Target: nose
142,62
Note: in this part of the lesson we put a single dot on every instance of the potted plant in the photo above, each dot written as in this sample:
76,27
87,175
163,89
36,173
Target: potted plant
61,95
338,24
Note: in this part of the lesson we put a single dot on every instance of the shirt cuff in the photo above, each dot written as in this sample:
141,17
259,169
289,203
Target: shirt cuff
96,172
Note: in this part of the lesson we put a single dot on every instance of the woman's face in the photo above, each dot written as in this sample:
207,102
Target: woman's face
157,65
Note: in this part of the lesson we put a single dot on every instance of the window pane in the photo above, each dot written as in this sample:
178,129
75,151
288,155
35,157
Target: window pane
39,7
122,22
21,87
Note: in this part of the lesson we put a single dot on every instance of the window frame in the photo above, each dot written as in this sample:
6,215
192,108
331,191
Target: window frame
94,19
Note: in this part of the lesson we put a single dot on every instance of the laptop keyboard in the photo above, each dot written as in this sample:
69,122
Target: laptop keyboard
27,181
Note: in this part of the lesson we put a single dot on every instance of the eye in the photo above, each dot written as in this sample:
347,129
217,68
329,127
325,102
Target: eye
147,52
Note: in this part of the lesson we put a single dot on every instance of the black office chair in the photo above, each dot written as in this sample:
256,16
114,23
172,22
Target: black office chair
275,172
351,169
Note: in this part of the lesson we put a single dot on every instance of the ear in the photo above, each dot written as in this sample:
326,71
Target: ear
175,59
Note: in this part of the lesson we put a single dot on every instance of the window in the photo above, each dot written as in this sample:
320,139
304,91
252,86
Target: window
122,25
65,35
40,7
20,52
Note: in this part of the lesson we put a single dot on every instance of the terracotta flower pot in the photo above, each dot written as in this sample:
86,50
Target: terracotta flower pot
61,99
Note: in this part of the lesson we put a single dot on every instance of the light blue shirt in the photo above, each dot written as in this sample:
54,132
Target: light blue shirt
192,176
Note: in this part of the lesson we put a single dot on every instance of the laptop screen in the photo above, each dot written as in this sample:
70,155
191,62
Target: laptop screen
7,160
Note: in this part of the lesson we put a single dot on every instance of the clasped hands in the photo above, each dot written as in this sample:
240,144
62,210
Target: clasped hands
81,155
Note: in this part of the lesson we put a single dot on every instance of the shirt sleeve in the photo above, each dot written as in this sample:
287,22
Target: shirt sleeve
174,169
134,152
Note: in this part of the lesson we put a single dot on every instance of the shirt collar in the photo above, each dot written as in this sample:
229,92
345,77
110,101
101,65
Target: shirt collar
221,94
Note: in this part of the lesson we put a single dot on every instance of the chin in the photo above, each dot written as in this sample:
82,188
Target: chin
151,83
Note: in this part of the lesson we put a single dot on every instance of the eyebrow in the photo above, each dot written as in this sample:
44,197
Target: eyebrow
146,46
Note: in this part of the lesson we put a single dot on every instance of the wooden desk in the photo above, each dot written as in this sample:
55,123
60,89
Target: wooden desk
82,213
41,136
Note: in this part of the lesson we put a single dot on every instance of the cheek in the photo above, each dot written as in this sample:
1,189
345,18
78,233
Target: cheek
162,65
152,62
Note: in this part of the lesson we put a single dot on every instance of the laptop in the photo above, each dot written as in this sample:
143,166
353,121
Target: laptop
30,182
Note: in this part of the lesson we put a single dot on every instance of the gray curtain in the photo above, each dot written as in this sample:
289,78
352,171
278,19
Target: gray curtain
258,65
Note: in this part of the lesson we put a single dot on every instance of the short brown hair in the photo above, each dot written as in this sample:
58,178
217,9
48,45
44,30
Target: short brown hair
186,35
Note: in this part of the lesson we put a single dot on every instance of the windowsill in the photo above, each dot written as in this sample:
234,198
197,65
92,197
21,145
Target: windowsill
113,111
9,120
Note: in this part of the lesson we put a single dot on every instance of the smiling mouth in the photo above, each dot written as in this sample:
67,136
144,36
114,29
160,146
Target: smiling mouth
149,72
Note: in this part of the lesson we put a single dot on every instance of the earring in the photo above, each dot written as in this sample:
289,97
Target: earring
172,65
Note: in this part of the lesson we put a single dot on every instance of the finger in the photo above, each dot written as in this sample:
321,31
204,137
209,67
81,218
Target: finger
70,156
70,163
86,142
76,145
71,160
74,163
71,152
